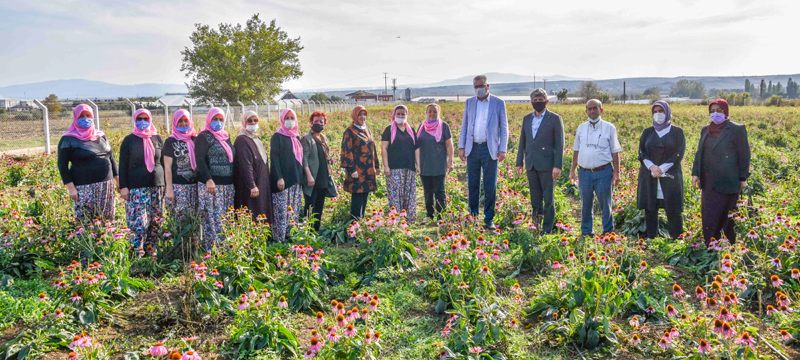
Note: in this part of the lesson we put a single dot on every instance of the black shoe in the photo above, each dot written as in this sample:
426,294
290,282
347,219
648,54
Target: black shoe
490,226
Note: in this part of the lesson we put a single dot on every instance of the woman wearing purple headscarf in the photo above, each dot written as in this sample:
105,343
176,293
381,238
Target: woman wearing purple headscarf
87,167
141,182
661,149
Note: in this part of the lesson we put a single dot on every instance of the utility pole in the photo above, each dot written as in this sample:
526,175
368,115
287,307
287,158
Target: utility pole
545,85
394,88
624,92
385,83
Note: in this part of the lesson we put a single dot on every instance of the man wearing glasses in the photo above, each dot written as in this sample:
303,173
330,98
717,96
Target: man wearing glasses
482,143
596,154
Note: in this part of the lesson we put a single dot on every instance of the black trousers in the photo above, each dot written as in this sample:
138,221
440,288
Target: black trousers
674,221
715,207
358,204
315,203
433,188
540,185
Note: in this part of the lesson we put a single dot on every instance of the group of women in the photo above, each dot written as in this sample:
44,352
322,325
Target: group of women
201,175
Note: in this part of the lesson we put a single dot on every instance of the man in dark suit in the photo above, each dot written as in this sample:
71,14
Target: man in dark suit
541,149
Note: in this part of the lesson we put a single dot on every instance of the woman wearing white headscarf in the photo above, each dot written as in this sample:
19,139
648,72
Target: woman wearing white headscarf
251,170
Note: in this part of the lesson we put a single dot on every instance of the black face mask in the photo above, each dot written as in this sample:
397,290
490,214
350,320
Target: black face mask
317,128
539,106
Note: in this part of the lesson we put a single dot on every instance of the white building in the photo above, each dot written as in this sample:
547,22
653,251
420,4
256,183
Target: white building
7,103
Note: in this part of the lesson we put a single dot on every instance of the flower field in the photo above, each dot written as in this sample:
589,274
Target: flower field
385,288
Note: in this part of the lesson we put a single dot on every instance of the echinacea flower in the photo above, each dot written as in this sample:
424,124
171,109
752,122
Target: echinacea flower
190,355
776,281
476,349
746,340
282,302
703,346
158,350
677,291
635,340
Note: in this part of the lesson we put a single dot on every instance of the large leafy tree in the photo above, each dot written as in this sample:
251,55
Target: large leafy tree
236,62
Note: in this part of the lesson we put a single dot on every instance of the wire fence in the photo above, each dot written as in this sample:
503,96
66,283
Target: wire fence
25,128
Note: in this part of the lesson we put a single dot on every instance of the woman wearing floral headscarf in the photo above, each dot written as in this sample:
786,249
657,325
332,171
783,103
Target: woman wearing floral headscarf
87,167
286,171
214,156
720,171
141,182
359,160
252,170
400,164
661,149
180,167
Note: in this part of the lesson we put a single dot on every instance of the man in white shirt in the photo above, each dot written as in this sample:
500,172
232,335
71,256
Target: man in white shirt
596,154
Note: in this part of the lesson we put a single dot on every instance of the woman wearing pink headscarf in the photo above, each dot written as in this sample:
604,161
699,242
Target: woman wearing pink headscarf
398,144
180,167
87,167
286,171
435,158
214,154
141,182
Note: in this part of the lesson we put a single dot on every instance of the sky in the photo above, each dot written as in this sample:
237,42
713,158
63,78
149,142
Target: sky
349,43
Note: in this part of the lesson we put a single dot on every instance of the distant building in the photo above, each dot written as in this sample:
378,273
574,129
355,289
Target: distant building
407,94
7,103
362,95
21,107
287,95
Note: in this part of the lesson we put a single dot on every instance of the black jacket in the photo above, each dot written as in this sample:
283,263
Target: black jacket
546,150
667,149
729,161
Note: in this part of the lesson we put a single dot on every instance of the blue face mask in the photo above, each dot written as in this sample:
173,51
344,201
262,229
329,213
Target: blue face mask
142,124
216,125
182,129
85,123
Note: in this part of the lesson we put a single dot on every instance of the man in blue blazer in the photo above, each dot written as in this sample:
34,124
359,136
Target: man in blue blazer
540,156
482,143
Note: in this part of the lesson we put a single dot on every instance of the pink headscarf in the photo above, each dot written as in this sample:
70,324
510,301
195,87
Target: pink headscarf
222,135
188,136
76,131
394,124
149,149
297,148
432,127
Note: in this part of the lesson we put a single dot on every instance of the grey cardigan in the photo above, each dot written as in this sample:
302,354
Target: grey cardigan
311,159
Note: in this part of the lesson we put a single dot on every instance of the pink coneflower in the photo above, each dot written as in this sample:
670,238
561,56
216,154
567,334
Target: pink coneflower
746,340
315,344
795,273
350,330
102,276
75,298
634,321
776,262
776,281
513,323
282,302
80,341
635,340
726,266
484,270
664,342
785,335
476,349
218,284
703,346
752,234
158,350
671,312
243,303
455,270
557,265
43,296
72,356
333,336
643,265
771,309
727,330
677,291
726,315
700,293
341,320
320,317
463,286
190,355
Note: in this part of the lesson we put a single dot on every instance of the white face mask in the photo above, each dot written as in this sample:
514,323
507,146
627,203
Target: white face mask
289,124
480,92
251,128
362,127
400,120
659,118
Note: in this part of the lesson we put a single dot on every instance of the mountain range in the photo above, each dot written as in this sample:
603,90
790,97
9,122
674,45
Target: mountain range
502,84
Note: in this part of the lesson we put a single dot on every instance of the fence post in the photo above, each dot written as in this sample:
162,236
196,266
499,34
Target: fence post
241,106
191,106
46,118
96,113
133,110
167,123
255,104
227,112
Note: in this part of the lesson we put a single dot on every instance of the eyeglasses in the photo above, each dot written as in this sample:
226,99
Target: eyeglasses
480,86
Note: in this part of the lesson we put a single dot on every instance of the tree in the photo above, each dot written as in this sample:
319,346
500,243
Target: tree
791,89
688,88
762,89
561,95
336,98
747,85
320,97
589,90
235,62
52,103
652,92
